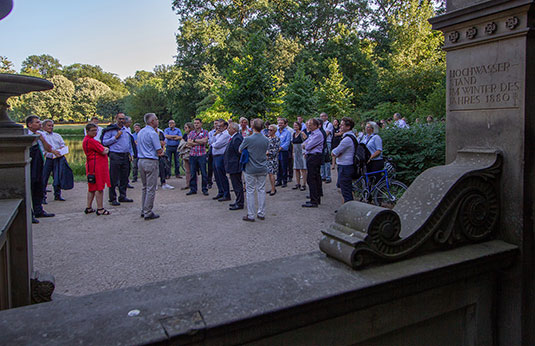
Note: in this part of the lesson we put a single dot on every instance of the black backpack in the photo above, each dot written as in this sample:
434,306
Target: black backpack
361,157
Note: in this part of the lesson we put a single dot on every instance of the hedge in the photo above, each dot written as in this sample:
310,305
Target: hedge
416,149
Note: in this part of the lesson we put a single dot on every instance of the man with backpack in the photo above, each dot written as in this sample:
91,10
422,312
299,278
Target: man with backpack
345,158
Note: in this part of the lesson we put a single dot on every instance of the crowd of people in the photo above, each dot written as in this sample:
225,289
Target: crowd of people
248,153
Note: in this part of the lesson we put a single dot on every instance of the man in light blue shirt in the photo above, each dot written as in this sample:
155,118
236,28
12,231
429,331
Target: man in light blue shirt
220,142
345,153
148,151
286,138
173,135
117,138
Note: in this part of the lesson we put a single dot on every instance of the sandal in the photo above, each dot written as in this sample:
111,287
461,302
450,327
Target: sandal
89,210
103,212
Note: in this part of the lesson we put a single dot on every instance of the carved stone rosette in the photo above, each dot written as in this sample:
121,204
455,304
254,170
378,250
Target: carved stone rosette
444,207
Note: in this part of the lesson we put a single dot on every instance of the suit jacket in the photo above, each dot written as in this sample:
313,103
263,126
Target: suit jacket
232,155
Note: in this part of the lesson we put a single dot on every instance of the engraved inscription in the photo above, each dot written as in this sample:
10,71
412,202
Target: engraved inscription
483,86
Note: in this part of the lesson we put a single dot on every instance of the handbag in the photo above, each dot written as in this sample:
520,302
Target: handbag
91,177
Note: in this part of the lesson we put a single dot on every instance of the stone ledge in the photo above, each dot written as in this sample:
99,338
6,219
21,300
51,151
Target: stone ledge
245,303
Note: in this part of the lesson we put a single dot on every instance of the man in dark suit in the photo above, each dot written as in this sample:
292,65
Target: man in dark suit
232,164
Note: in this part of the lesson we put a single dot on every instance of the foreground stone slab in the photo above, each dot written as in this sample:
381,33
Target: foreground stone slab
307,299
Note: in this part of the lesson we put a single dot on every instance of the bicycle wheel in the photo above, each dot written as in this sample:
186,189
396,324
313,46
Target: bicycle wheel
359,190
384,197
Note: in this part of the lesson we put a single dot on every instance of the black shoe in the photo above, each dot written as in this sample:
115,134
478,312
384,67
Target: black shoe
296,187
327,181
224,199
34,220
125,200
209,186
284,185
115,203
273,193
309,205
246,218
308,197
44,201
278,184
134,180
59,198
191,193
44,214
129,186
232,205
152,216
235,207
217,197
260,217
142,214
205,193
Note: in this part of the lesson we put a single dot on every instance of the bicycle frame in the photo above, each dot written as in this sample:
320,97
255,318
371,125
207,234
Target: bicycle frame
384,177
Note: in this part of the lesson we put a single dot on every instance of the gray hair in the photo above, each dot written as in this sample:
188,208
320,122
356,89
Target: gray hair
235,126
374,125
148,117
273,127
46,121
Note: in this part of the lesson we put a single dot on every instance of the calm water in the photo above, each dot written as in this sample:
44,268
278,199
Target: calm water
76,153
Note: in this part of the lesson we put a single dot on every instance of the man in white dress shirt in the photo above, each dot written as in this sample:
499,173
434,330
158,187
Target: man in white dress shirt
220,142
94,120
52,158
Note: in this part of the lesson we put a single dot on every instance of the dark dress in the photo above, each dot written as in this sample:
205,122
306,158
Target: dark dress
336,139
96,163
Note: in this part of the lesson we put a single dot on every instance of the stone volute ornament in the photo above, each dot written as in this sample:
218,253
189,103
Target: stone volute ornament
471,33
512,22
491,28
446,206
454,36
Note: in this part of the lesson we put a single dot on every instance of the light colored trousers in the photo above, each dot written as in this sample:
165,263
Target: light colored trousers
148,172
255,182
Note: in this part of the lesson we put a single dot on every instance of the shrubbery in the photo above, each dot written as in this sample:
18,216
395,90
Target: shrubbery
416,149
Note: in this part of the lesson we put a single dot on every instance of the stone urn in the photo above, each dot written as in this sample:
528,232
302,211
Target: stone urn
16,85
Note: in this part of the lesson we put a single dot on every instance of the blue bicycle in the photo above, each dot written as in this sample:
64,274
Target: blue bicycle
384,193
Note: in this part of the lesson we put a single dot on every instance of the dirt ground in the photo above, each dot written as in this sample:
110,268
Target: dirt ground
89,253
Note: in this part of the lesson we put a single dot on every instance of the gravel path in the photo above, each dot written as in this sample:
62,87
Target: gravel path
89,253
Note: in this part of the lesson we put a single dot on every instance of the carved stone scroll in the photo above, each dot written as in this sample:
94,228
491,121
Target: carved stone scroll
445,206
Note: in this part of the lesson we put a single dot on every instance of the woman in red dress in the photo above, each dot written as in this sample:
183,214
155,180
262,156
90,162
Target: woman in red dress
97,165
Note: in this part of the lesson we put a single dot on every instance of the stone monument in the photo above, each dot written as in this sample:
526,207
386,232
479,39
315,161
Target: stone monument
18,284
487,188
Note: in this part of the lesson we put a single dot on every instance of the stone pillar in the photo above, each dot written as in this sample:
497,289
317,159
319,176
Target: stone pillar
491,103
14,178
15,186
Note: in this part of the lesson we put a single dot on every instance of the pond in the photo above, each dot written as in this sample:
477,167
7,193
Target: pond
76,156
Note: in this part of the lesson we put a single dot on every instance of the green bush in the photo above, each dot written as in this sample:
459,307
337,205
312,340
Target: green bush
416,149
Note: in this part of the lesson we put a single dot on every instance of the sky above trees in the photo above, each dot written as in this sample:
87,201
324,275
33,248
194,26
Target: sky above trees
122,36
